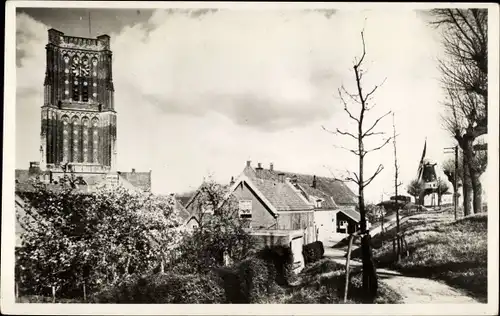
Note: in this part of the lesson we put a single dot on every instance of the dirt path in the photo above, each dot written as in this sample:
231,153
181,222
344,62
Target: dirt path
413,290
424,291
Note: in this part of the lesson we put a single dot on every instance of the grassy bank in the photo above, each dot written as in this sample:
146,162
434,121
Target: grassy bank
323,283
441,248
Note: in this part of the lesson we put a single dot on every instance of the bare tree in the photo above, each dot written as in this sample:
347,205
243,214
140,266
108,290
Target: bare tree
361,99
465,79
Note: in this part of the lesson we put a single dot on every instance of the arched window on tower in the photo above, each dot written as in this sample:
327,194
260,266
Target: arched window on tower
95,140
66,128
76,139
85,138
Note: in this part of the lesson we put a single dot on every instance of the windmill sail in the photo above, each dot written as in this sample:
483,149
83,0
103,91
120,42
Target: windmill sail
421,164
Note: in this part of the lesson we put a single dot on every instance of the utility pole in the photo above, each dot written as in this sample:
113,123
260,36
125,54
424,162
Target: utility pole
455,182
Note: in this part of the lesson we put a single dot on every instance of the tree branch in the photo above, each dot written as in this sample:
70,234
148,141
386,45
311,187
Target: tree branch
348,149
379,169
340,132
379,147
374,89
375,124
345,107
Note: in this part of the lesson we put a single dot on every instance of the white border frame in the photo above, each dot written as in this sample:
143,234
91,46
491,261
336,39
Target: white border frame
8,218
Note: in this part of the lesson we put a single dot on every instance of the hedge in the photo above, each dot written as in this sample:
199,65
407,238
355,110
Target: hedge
313,252
281,258
169,288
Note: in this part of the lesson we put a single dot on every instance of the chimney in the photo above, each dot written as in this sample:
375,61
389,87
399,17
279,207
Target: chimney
314,182
271,166
281,177
258,170
133,170
293,179
232,181
249,163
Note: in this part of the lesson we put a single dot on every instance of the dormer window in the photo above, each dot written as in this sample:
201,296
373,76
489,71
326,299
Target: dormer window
207,208
319,203
245,208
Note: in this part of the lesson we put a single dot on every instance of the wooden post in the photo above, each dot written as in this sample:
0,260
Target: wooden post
348,261
84,292
406,246
394,246
399,246
17,290
53,294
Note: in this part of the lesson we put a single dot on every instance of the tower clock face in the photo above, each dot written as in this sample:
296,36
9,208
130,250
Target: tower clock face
80,69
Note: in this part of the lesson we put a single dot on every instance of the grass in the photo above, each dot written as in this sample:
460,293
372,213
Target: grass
45,299
441,248
323,283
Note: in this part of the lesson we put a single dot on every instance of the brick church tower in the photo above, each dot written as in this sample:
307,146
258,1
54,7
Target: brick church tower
78,134
78,115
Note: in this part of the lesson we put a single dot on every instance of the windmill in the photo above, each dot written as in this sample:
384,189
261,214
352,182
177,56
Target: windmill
426,174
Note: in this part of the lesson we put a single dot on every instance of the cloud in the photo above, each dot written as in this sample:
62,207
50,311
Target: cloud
204,91
261,69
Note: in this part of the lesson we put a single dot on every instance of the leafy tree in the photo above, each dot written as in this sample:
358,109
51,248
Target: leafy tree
221,235
73,237
415,188
442,188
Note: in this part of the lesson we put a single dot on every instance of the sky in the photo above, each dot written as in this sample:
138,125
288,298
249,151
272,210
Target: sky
200,92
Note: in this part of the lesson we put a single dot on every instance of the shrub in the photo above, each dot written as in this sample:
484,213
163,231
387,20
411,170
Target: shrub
281,257
322,266
313,252
249,281
164,288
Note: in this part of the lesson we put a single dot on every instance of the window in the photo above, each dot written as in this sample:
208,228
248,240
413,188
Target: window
207,208
319,203
245,208
342,223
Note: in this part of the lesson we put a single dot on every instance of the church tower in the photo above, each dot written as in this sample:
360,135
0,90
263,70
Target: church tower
78,115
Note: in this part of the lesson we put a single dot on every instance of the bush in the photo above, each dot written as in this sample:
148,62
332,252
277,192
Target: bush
249,281
165,288
322,266
313,252
281,258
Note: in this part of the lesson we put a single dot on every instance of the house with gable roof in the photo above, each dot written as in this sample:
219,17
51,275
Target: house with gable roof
334,204
284,201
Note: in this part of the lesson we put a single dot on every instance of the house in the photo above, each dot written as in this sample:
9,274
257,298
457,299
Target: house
267,204
334,205
286,208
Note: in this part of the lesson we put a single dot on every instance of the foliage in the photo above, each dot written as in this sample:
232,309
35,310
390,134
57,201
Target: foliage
221,233
324,283
442,188
249,281
281,258
165,288
415,188
72,237
313,252
375,213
